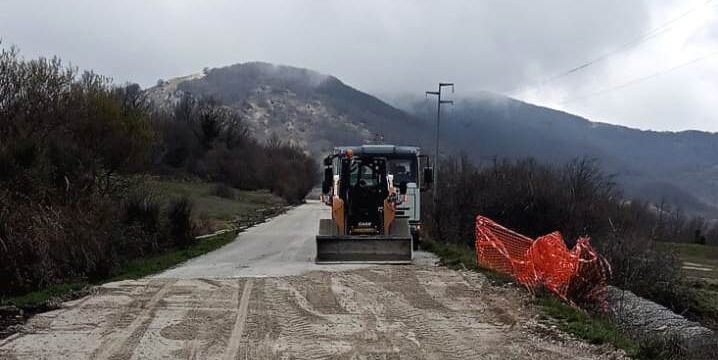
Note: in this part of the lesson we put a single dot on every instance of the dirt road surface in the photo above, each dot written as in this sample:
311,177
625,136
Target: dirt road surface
261,297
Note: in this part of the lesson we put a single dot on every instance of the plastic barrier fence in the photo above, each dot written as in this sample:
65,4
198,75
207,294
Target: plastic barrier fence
578,276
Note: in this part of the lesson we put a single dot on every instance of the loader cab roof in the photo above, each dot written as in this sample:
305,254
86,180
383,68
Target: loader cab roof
379,150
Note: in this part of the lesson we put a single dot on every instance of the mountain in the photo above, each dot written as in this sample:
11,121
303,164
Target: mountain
303,107
678,167
317,111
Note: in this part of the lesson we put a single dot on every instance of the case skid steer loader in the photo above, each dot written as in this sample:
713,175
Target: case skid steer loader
375,199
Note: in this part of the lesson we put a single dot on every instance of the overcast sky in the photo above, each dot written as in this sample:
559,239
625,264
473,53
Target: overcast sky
400,46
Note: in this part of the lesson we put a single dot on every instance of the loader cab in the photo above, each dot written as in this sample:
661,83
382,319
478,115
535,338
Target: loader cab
364,192
404,163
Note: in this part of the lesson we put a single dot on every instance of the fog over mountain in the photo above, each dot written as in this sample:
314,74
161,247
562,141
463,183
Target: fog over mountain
317,111
303,107
510,47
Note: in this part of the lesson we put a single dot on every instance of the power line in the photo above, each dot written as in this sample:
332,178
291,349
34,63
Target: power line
655,32
638,80
636,41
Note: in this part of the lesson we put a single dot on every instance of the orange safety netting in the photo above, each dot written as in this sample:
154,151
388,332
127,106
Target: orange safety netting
578,276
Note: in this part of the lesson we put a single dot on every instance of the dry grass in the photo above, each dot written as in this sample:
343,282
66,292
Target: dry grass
218,212
700,267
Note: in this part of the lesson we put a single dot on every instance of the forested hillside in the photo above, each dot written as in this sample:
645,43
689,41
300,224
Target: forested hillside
299,106
316,111
680,169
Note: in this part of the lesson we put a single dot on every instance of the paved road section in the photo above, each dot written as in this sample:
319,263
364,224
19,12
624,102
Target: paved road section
262,297
283,246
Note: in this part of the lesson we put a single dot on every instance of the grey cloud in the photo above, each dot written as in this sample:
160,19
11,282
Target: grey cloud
380,46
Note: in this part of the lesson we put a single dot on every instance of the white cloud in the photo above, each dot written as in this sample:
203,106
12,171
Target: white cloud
684,98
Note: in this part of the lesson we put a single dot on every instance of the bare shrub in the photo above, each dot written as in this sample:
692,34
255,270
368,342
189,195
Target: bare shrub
143,208
640,266
212,141
577,199
180,226
69,144
141,211
223,190
204,224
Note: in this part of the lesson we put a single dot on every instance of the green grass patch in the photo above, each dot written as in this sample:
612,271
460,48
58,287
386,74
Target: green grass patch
142,267
39,298
699,261
452,255
134,269
593,329
457,256
219,209
694,251
598,330
700,267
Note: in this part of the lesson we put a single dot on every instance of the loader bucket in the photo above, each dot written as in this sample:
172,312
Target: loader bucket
394,248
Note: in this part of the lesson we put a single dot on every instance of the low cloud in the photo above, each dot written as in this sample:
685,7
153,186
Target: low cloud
399,47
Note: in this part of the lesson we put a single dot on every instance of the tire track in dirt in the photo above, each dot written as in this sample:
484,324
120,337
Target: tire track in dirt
204,324
297,322
382,336
372,314
382,312
298,317
440,332
404,283
236,336
205,329
261,323
316,289
261,326
115,345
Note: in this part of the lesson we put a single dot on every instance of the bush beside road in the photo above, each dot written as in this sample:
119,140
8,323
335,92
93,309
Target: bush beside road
209,214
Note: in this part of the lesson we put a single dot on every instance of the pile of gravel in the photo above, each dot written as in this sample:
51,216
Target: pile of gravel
651,322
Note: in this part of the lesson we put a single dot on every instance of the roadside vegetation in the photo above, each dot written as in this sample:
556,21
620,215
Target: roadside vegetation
578,199
217,206
210,213
593,328
700,274
96,185
35,301
211,141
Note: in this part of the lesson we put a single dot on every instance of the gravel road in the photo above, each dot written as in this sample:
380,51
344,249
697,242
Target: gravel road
262,297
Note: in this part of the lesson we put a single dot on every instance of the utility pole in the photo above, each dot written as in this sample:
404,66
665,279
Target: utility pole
438,123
